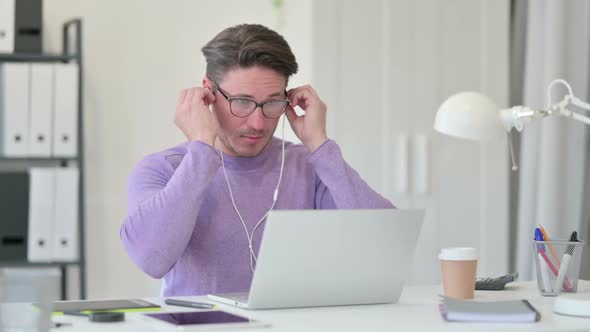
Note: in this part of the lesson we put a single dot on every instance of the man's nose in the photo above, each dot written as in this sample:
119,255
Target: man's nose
256,119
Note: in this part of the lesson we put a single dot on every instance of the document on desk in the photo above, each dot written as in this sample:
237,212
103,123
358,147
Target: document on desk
517,311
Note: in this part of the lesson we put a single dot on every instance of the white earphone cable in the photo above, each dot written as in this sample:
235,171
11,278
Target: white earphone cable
250,235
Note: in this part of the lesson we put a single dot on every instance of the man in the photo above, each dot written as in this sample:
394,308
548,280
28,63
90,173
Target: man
196,214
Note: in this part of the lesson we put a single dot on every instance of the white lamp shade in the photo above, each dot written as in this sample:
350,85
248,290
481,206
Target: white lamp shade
469,115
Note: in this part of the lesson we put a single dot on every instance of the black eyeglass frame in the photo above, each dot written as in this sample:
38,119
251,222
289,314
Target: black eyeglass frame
256,105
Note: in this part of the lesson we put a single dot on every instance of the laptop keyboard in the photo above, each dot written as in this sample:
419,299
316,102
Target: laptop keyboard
242,297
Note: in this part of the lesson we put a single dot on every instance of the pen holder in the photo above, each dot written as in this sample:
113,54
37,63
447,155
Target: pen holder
557,264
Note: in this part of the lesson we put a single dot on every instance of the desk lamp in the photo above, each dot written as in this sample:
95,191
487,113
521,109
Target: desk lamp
474,116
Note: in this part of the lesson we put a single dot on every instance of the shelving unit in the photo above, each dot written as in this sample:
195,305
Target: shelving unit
71,52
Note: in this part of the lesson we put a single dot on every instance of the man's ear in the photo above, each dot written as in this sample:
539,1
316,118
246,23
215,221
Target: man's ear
208,84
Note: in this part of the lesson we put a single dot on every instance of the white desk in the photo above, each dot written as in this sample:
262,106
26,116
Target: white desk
417,310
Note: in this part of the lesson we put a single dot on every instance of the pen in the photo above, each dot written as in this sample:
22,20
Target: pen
541,249
190,304
75,313
544,258
542,262
567,256
548,261
546,238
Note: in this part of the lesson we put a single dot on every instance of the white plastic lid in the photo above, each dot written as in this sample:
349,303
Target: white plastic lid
458,254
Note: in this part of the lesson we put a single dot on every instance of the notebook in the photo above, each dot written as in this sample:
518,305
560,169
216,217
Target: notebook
516,311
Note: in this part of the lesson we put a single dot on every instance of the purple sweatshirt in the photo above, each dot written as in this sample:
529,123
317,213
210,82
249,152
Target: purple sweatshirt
181,224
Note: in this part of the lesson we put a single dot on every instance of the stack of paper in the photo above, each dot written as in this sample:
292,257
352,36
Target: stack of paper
518,311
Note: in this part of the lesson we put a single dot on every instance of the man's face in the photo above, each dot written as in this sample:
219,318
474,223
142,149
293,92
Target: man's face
248,136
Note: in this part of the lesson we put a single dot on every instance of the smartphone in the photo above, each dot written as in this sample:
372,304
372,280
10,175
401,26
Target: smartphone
195,320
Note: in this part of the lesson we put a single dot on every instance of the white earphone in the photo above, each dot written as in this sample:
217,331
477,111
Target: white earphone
250,235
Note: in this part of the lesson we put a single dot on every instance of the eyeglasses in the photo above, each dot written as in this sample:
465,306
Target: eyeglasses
243,107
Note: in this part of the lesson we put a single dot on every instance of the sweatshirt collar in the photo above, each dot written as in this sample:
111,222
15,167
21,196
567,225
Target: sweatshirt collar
250,163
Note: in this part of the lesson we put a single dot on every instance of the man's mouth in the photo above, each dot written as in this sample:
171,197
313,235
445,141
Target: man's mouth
252,138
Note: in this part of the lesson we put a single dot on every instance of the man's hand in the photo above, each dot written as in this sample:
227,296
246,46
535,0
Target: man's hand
311,126
193,116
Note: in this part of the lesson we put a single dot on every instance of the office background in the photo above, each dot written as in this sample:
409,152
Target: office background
383,67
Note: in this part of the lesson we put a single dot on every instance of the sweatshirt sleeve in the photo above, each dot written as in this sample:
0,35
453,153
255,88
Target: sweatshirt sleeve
163,205
339,186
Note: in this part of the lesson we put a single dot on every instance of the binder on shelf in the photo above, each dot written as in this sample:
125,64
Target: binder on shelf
41,214
28,26
14,204
65,235
21,26
7,13
41,110
14,109
65,133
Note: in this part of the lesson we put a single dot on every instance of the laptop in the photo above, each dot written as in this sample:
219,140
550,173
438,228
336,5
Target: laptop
311,258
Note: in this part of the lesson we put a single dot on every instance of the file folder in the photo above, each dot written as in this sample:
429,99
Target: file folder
41,110
65,118
7,17
28,26
14,109
41,214
14,204
65,236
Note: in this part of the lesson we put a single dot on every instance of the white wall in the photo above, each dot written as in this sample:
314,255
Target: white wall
137,56
382,67
389,65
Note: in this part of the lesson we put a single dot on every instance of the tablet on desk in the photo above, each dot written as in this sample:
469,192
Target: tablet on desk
196,320
123,305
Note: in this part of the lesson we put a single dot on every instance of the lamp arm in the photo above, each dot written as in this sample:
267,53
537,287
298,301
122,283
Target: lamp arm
575,116
581,104
561,107
516,117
